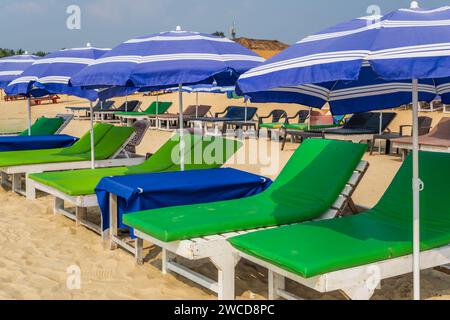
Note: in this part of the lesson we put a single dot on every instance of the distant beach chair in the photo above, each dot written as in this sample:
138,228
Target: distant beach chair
234,116
150,113
109,115
424,128
353,254
438,140
101,105
317,121
360,127
52,98
171,119
316,183
278,118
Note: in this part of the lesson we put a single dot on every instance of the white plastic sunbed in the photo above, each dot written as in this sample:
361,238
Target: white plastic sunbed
216,248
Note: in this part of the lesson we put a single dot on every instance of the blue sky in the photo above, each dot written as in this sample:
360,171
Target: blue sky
41,24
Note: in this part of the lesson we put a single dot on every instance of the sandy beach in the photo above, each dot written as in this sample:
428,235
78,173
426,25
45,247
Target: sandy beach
38,247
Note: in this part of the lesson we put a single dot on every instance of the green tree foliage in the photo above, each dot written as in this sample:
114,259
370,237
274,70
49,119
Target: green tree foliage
219,34
11,52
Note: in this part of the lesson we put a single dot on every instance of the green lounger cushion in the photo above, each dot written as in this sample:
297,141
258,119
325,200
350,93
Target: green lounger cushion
305,126
83,182
275,125
44,127
307,186
154,109
107,140
381,233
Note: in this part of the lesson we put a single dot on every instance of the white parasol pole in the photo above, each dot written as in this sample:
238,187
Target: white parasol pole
380,132
196,104
29,115
416,186
180,103
92,135
126,103
309,122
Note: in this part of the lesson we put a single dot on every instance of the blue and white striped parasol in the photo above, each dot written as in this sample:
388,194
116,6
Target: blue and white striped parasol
12,67
365,64
169,59
52,74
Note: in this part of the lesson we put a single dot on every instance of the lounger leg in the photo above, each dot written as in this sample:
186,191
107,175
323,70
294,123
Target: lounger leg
4,178
138,254
358,293
226,265
80,214
165,261
112,221
58,205
16,182
30,190
276,282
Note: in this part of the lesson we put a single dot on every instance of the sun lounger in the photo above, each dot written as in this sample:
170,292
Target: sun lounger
77,187
171,119
232,115
278,116
110,115
52,98
424,128
154,109
438,140
317,183
308,130
44,126
101,105
353,254
360,127
110,142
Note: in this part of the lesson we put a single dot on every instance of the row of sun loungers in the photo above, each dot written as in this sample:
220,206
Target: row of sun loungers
314,188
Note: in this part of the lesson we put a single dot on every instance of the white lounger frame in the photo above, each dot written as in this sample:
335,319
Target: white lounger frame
357,283
216,247
119,158
405,147
355,138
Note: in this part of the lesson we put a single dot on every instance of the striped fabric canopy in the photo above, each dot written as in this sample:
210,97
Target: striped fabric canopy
364,64
12,67
52,73
167,59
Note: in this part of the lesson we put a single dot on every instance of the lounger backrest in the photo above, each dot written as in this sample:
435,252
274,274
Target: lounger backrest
317,172
370,120
163,159
277,114
129,106
424,125
442,129
111,142
106,105
210,152
158,107
396,203
84,144
302,116
44,126
238,113
200,110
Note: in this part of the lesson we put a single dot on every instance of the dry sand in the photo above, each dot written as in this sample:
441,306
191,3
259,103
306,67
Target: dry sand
38,247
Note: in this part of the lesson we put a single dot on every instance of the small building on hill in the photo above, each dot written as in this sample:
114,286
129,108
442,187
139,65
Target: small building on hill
265,48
